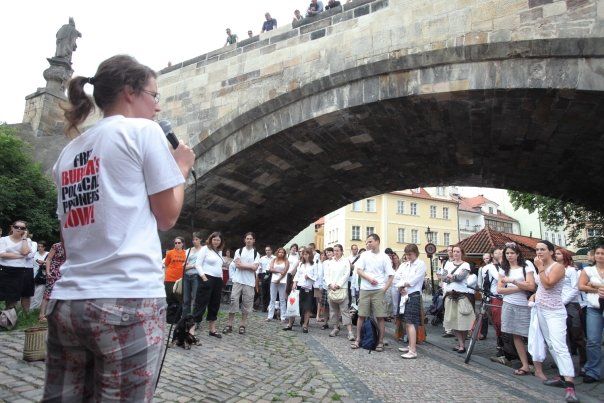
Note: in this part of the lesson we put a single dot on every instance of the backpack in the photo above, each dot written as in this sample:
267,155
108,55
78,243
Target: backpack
369,334
255,252
488,280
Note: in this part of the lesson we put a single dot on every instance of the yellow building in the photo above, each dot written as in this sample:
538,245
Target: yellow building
399,218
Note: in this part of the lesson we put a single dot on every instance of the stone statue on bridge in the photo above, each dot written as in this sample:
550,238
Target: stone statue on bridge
66,40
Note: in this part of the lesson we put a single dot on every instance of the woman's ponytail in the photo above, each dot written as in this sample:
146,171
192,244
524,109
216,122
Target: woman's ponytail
80,104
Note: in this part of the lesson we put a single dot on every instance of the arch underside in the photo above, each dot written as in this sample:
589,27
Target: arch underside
546,141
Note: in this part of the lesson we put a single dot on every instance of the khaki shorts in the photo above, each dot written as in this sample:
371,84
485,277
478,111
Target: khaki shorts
245,291
372,302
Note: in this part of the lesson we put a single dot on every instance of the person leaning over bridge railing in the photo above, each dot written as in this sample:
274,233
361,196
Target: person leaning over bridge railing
332,4
269,24
315,7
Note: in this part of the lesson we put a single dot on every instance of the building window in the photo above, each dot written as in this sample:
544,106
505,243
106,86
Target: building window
501,226
432,211
371,205
414,236
490,210
547,235
560,240
413,209
370,230
446,213
400,207
401,235
435,238
440,190
356,206
356,233
446,239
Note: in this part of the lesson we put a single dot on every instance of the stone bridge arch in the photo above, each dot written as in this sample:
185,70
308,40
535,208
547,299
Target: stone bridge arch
275,153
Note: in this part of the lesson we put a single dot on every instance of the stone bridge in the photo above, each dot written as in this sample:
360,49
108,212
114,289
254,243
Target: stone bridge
382,95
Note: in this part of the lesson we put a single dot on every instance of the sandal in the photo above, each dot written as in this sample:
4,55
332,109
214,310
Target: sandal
355,346
521,372
42,319
227,329
215,334
241,329
379,348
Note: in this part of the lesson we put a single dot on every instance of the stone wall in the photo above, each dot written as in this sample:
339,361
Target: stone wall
206,93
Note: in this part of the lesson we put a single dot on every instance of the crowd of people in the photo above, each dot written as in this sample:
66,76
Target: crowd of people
551,295
314,8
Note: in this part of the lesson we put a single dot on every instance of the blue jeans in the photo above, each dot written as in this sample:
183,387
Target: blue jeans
189,290
594,321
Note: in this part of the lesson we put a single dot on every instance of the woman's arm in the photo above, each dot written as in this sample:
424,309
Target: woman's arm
528,284
549,280
584,283
199,263
49,257
502,289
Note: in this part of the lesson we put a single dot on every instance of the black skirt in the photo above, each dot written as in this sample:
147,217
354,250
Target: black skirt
306,300
412,314
11,283
28,287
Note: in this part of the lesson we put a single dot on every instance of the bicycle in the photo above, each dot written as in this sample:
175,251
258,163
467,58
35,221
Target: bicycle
480,316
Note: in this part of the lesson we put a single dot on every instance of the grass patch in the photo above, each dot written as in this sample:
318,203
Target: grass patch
336,397
292,393
24,320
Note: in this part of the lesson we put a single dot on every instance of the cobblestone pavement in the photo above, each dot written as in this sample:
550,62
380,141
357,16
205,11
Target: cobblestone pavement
267,364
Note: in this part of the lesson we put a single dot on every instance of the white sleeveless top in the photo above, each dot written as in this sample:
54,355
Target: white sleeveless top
550,298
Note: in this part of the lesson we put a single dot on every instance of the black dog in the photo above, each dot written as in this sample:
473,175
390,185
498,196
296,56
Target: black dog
184,333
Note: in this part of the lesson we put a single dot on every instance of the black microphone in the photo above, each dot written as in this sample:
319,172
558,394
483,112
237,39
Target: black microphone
166,126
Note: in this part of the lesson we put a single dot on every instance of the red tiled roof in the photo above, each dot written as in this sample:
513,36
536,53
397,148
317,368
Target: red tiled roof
487,239
500,216
320,221
422,194
473,203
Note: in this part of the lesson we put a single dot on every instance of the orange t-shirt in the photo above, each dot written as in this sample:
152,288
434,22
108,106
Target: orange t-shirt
174,262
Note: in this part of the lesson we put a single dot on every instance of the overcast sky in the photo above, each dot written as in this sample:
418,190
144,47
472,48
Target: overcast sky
153,31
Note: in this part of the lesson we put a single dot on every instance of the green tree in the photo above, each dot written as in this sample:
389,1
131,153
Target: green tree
25,192
555,213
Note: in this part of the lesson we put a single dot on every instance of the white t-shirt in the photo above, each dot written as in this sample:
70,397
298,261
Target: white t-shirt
29,259
517,298
293,261
570,288
280,267
7,245
104,179
459,286
209,262
191,259
412,273
337,272
305,269
38,256
492,271
377,265
265,262
243,276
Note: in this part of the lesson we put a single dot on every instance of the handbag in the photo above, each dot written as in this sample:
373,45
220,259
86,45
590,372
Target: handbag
464,306
337,296
293,304
40,278
177,288
8,318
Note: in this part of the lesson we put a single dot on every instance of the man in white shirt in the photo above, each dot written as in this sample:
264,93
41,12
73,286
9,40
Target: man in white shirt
354,255
263,281
244,281
490,277
376,273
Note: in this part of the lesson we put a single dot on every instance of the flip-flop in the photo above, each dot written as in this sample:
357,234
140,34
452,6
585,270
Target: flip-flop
227,329
355,346
379,348
241,329
521,372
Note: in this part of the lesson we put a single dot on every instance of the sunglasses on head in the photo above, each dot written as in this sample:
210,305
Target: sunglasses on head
19,227
510,244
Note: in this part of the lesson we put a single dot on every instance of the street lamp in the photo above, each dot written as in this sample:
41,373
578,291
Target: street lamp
430,249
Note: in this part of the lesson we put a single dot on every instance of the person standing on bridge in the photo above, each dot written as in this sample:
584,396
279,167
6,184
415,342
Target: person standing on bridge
315,8
119,182
269,24
231,38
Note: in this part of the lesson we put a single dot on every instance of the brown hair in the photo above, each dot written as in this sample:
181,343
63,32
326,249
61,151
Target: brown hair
213,235
412,248
111,77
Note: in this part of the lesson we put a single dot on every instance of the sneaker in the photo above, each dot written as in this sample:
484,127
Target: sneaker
501,360
448,335
409,356
571,396
334,332
403,349
351,336
325,327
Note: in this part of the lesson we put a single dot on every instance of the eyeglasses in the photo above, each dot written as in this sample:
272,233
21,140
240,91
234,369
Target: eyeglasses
155,95
19,227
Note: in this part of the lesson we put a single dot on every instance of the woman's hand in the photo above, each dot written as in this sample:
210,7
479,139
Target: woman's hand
204,278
